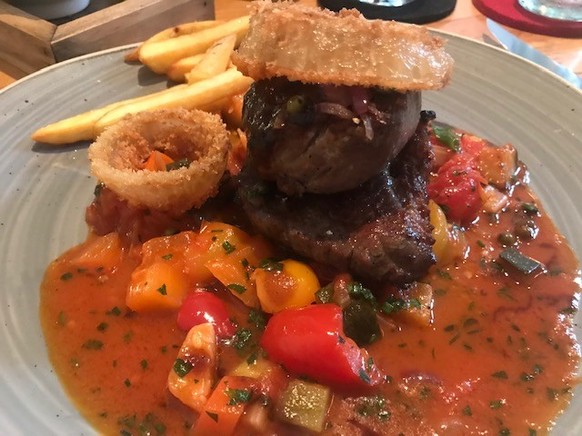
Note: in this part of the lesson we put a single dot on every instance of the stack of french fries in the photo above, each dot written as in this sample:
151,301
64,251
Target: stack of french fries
196,54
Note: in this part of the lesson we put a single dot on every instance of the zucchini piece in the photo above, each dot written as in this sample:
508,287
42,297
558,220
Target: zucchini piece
304,404
520,261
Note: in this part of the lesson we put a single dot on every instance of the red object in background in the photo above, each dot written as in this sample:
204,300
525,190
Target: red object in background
509,12
310,342
201,307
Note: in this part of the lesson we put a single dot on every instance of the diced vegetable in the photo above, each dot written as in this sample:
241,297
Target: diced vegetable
361,323
103,253
519,261
159,286
194,372
253,367
224,408
456,189
493,199
498,165
157,161
448,137
202,307
310,341
305,404
293,286
450,242
419,307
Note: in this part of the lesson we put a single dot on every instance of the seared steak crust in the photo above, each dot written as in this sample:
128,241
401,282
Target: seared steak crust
379,231
305,141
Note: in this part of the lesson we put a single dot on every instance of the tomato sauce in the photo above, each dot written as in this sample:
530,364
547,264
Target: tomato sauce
498,357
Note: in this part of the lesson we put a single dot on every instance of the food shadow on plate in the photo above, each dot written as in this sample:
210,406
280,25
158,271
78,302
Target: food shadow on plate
42,148
146,77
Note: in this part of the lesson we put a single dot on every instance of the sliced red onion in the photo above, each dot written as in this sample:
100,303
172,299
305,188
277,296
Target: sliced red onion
360,99
368,130
380,116
334,109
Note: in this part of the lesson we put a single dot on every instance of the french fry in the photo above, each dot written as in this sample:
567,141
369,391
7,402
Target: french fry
214,61
173,32
177,71
159,56
81,127
198,95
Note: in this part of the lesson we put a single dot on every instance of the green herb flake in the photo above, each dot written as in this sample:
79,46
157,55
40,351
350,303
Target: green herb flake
102,326
93,344
242,338
358,291
257,318
213,416
177,164
500,375
61,319
448,137
67,276
504,432
480,243
182,367
444,274
228,247
238,396
496,404
467,411
116,311
270,264
167,256
127,383
162,289
143,364
532,432
127,337
373,406
239,289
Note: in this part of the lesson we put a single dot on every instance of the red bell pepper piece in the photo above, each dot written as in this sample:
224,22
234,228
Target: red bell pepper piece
201,307
310,341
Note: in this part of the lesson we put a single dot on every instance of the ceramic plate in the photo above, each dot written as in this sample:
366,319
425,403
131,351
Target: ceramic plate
44,191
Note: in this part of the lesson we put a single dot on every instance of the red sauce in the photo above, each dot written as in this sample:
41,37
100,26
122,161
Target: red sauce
500,355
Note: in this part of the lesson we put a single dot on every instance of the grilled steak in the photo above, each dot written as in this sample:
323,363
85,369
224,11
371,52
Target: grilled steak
325,138
379,231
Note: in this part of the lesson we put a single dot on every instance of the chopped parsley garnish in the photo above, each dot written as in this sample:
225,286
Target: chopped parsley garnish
358,291
93,344
102,326
228,247
257,318
167,256
496,404
242,338
143,364
67,276
162,289
239,289
182,367
238,396
500,375
116,311
270,264
374,406
127,383
467,411
177,164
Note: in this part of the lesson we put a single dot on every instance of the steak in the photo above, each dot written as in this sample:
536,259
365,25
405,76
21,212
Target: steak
325,138
379,231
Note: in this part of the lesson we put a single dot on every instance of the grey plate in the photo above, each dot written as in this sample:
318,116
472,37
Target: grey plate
44,192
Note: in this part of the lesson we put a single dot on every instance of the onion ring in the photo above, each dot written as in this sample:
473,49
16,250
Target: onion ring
118,154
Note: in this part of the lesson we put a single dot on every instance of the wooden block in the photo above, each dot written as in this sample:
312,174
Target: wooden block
29,43
25,41
124,23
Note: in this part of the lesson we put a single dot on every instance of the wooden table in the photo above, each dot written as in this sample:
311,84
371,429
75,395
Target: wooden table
465,20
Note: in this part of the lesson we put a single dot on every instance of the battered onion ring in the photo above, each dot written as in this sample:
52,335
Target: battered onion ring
118,154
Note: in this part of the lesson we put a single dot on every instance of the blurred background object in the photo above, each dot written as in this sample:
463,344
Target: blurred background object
408,11
568,10
51,9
